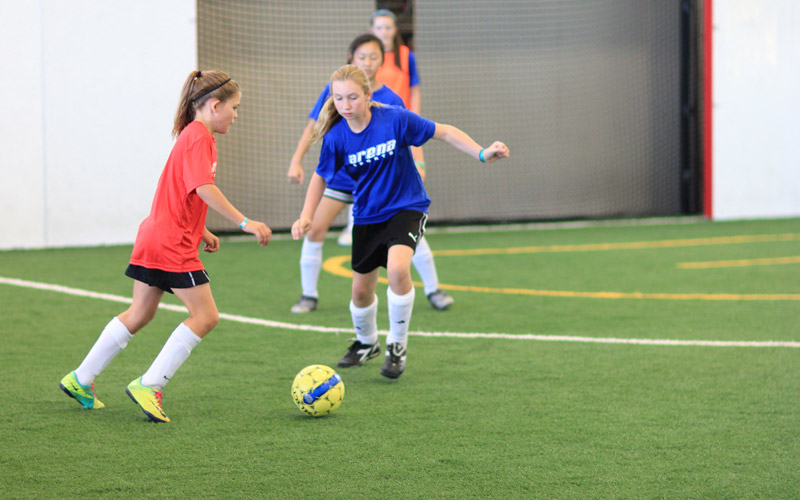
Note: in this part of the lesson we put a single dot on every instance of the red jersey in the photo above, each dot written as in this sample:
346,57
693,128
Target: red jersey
397,79
169,238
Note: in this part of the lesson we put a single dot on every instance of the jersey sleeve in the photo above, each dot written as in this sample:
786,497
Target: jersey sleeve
326,168
388,96
418,129
199,165
320,102
413,74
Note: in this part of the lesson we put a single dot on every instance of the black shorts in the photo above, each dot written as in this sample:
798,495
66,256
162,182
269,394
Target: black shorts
166,280
371,242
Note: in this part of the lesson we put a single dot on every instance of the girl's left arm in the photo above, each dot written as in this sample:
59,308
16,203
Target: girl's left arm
463,142
316,187
214,198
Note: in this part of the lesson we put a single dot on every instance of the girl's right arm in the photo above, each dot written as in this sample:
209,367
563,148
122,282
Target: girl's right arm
315,189
214,198
296,166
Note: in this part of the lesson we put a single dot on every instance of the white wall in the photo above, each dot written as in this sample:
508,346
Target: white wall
89,91
756,113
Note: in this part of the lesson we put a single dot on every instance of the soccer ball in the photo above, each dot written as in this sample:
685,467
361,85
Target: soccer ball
317,390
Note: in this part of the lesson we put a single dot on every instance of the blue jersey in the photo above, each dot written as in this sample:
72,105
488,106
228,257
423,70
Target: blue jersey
384,95
379,160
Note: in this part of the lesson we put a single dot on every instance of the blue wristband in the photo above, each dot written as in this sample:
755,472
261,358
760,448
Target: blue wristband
244,223
480,155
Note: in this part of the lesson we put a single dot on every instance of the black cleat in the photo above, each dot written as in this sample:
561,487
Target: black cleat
358,353
395,361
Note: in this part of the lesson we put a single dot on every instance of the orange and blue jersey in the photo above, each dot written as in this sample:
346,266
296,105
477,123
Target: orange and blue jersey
400,79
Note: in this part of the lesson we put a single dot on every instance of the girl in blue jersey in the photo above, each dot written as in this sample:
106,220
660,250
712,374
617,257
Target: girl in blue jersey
366,52
372,145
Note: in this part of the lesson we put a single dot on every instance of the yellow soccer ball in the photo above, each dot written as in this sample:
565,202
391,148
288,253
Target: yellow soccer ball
317,390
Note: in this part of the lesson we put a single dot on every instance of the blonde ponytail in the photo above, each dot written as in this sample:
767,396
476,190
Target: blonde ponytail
328,116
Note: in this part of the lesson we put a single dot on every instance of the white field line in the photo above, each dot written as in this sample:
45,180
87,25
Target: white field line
312,328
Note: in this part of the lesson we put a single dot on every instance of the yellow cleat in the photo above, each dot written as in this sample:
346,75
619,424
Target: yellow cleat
84,394
148,399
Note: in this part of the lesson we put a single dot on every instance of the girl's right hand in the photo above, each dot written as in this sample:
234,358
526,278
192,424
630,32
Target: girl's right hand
300,227
262,232
295,173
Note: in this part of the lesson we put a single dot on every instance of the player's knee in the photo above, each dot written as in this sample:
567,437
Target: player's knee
399,277
317,233
205,322
363,296
136,318
212,319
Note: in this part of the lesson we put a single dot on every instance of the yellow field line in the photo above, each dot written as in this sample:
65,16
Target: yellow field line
634,245
334,265
739,263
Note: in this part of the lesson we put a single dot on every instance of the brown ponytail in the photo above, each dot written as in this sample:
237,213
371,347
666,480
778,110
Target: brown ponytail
199,87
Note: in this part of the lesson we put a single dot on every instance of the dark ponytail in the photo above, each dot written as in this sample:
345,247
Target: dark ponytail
199,87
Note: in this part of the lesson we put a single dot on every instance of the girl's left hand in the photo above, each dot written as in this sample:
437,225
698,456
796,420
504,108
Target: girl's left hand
211,242
300,227
495,152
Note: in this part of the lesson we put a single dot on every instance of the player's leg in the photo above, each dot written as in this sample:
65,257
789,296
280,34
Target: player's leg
346,236
400,297
203,317
311,253
364,311
426,267
79,384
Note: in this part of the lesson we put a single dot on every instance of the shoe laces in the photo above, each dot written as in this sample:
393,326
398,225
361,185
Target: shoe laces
396,352
158,396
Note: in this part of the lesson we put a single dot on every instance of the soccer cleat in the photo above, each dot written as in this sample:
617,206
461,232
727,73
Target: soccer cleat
395,361
346,237
306,304
148,399
358,353
84,394
440,300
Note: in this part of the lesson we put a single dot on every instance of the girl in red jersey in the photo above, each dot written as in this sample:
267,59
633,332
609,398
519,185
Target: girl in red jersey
165,254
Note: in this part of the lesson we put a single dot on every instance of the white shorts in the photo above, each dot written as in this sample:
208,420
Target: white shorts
335,194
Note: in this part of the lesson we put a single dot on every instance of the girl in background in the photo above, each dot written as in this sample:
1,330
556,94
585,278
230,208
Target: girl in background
372,145
366,52
399,70
165,254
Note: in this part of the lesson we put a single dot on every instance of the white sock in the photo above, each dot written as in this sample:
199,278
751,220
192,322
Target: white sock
365,321
423,263
175,351
310,265
400,307
112,340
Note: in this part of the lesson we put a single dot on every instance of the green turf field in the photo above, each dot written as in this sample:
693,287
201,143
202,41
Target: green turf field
536,411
